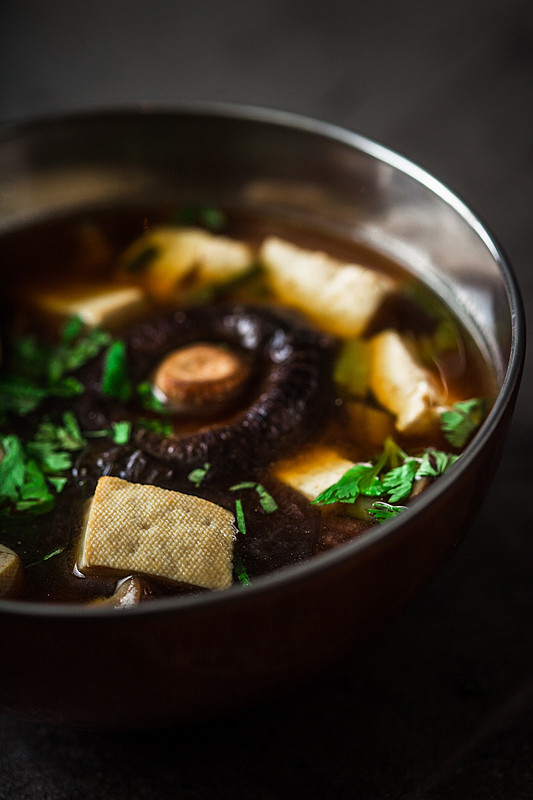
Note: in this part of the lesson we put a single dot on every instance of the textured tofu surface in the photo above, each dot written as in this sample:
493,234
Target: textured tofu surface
97,306
313,470
341,298
10,569
402,385
132,527
182,259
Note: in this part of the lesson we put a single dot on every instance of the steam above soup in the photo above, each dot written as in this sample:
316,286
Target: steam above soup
183,407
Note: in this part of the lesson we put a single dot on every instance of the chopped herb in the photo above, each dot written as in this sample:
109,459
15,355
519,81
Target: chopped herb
207,216
97,434
390,478
160,426
348,487
72,329
383,511
12,468
20,395
241,573
57,483
115,381
268,503
462,420
197,475
399,481
142,260
34,493
239,514
121,431
149,400
47,557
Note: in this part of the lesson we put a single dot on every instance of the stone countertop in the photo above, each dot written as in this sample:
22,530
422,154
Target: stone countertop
439,705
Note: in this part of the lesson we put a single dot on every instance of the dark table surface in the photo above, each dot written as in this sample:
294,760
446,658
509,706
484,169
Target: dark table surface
440,705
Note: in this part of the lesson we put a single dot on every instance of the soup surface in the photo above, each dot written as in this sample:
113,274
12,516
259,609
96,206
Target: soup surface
222,356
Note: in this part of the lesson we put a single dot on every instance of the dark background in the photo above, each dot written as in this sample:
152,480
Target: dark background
439,705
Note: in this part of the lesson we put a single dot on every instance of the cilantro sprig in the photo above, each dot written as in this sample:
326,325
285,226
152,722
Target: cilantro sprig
463,419
390,478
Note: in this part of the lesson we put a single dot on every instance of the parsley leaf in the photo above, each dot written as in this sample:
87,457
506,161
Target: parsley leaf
348,487
239,514
160,426
463,419
197,475
121,431
11,468
268,503
149,400
242,575
115,381
383,511
399,481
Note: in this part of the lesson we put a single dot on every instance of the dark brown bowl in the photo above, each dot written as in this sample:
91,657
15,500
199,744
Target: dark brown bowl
179,659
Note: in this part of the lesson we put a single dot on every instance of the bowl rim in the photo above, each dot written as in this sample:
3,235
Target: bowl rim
306,570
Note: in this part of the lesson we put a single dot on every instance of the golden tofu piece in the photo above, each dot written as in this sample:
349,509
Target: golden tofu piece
171,263
10,570
341,298
132,527
98,305
402,385
313,471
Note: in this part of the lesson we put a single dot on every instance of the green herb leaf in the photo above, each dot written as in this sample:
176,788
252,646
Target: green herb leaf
348,487
97,434
434,463
121,431
12,468
47,557
149,400
239,514
383,511
197,475
72,329
57,483
463,419
115,381
268,503
160,426
399,481
242,575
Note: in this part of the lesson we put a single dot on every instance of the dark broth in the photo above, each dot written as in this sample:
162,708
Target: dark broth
88,246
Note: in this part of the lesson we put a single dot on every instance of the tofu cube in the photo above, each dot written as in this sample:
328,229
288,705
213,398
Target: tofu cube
97,305
341,298
402,385
170,263
10,570
313,471
132,527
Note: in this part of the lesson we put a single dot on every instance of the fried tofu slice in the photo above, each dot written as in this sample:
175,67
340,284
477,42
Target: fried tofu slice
341,298
98,305
401,384
133,527
170,263
313,471
10,571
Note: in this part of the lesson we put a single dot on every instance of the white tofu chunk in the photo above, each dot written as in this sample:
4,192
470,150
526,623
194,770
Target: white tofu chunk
339,297
10,570
96,304
171,262
402,385
132,527
313,471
